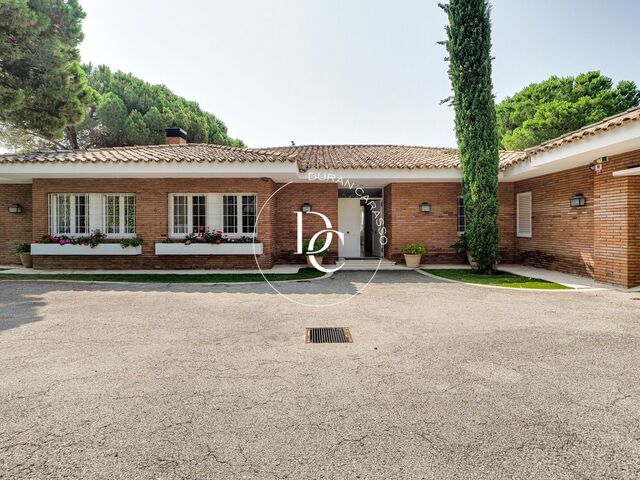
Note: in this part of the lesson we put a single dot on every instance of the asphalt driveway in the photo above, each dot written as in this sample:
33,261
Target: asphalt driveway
214,382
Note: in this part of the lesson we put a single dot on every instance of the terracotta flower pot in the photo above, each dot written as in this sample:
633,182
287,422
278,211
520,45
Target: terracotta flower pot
412,261
472,261
318,260
26,260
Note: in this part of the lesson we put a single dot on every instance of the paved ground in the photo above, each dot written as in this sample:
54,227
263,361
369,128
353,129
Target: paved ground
443,381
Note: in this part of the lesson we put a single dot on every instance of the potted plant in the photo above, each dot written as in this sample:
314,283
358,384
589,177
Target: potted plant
461,247
24,252
413,253
319,244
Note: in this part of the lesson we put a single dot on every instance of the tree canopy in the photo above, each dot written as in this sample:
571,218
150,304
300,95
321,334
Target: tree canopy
469,47
125,110
558,105
43,88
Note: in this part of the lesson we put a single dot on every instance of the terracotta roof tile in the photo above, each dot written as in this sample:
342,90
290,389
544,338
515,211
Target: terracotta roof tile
189,153
624,118
380,156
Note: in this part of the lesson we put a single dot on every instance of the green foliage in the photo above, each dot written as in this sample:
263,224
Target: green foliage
469,46
549,109
413,249
318,244
23,248
42,86
460,245
131,242
130,111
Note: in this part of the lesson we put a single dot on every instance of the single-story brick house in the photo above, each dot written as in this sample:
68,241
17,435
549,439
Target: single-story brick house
571,204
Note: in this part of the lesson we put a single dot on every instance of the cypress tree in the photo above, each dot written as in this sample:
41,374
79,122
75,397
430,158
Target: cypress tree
469,46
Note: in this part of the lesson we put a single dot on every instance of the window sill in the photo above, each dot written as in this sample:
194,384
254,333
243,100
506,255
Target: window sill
208,249
102,249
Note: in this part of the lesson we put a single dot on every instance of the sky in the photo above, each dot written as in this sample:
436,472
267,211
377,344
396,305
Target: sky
350,71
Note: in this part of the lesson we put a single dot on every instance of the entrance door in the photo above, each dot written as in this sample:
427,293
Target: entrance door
350,224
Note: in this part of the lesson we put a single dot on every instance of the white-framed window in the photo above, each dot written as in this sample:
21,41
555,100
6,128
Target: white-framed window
233,213
524,224
188,213
76,214
68,214
119,214
461,219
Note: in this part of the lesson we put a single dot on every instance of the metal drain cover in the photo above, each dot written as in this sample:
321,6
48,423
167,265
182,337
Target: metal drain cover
328,335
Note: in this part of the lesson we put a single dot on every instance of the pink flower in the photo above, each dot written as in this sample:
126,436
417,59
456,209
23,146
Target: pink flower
218,241
62,242
202,229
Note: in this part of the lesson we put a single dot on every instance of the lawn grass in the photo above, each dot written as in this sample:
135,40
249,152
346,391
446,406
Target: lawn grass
500,279
303,274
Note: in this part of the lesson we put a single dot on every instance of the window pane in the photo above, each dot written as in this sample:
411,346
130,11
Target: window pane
82,207
461,218
180,208
130,214
248,213
63,214
230,214
113,214
198,212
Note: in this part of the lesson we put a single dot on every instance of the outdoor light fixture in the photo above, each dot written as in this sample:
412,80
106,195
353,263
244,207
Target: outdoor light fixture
578,200
15,208
306,207
425,207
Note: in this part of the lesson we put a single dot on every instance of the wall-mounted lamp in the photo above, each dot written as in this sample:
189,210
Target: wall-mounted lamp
425,207
578,200
306,207
15,208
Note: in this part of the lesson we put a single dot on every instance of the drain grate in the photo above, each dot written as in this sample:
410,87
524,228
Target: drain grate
328,335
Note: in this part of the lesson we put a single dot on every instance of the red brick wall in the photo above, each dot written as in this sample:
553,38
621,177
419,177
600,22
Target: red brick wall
14,228
323,198
617,223
437,229
562,237
152,220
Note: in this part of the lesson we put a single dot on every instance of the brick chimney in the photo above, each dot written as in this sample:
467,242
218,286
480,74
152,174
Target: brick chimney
175,136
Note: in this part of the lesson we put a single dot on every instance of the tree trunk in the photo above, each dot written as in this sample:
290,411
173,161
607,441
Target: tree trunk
72,137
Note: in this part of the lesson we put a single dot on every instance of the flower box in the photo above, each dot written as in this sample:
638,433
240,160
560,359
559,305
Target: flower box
208,249
101,249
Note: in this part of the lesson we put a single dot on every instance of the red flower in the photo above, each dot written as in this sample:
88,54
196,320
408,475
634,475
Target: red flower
218,241
202,229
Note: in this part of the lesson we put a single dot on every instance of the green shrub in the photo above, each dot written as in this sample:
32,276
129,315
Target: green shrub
318,244
23,248
460,245
413,249
131,242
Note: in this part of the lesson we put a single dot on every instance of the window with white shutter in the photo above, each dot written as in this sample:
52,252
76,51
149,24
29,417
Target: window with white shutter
523,215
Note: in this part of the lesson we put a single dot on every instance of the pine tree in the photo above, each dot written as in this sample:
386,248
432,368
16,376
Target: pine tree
469,46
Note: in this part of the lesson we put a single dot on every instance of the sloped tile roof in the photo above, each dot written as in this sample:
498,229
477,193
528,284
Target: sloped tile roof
189,153
615,121
380,156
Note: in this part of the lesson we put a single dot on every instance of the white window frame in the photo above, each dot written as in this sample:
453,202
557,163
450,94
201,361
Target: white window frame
458,231
208,201
53,214
121,214
521,197
92,224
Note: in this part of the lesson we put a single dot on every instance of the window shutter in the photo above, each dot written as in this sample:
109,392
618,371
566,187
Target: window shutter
523,214
95,212
214,211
